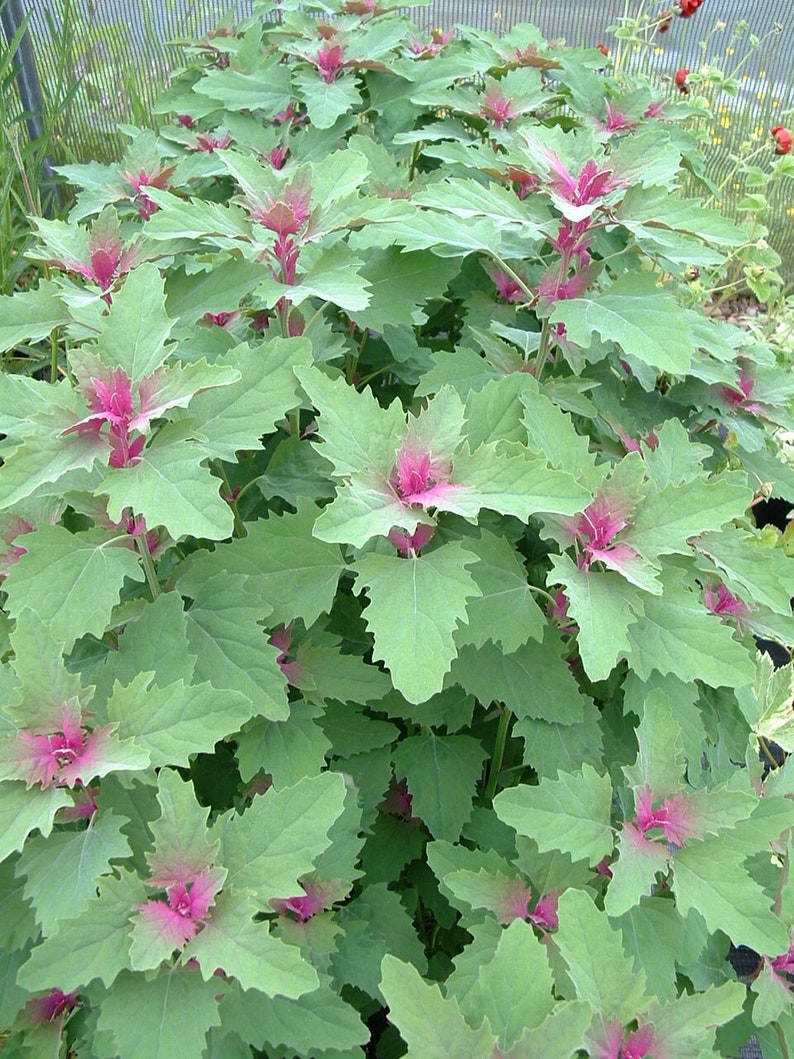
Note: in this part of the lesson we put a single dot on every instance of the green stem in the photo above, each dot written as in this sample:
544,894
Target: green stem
316,316
413,159
148,565
781,1040
352,362
497,757
378,371
781,886
543,349
248,485
542,592
239,525
513,276
283,316
767,752
54,356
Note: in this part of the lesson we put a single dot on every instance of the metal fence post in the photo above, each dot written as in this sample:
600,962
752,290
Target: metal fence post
12,18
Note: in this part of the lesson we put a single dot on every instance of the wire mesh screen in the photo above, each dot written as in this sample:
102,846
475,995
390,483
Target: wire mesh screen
114,57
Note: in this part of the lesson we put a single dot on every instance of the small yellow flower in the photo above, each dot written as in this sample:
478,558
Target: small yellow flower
716,140
745,78
730,51
762,74
635,47
761,95
718,203
790,211
725,123
775,102
658,51
722,109
737,186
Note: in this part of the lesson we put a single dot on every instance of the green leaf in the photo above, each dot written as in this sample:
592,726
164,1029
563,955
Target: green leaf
551,748
296,471
772,996
634,872
590,946
182,844
287,750
155,641
559,1034
644,320
767,705
372,925
653,935
285,565
401,284
357,432
195,220
248,952
415,605
23,810
709,876
571,813
604,606
93,945
504,893
351,731
514,989
442,774
335,275
237,416
233,654
279,837
551,431
189,295
676,458
750,568
466,199
431,1025
30,316
506,611
660,762
494,411
17,919
655,208
176,721
325,101
533,681
12,998
71,580
686,1026
170,488
22,400
135,331
45,459
158,1018
507,478
295,1024
365,507
680,636
664,521
62,869
266,88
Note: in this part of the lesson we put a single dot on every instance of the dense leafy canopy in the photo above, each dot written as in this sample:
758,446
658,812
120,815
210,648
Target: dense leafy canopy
381,577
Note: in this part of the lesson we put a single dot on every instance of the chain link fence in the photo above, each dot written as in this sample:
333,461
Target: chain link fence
111,59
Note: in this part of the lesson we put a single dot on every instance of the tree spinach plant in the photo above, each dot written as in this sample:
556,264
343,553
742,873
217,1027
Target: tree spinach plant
381,581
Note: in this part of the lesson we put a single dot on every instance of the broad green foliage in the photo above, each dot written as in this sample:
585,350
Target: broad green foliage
380,575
